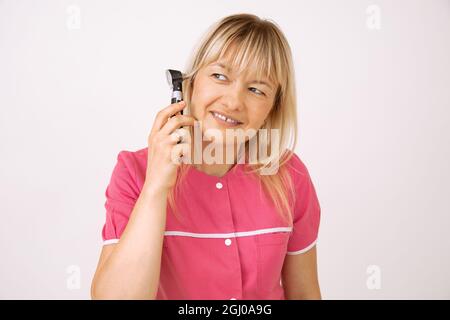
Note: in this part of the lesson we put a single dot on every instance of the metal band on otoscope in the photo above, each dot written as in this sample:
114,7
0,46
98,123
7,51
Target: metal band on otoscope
177,96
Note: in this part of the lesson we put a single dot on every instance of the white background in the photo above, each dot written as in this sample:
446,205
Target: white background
75,89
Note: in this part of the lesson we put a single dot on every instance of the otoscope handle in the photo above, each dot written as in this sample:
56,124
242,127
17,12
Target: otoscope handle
177,96
176,99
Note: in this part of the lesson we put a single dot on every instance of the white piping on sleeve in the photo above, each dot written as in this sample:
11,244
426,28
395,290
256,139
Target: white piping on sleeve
110,241
304,249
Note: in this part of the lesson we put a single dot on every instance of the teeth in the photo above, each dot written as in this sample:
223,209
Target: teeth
224,118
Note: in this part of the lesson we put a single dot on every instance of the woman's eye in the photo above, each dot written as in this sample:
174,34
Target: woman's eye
217,74
260,92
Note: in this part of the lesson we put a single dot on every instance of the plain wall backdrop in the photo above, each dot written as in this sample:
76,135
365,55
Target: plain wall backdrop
82,80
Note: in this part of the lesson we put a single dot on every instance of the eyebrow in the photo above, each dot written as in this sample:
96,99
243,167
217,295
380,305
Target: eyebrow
229,69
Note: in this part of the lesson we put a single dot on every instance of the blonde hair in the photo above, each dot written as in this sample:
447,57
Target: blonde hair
260,45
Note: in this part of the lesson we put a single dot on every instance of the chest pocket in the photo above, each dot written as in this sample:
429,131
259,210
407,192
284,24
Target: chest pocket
271,251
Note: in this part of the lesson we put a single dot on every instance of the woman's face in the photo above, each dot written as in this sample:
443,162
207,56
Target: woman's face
219,91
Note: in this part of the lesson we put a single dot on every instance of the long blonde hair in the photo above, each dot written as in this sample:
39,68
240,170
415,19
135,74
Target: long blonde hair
258,44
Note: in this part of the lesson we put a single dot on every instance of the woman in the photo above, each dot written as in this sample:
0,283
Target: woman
216,230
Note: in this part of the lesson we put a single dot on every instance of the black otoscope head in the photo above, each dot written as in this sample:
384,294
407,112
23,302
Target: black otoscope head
175,80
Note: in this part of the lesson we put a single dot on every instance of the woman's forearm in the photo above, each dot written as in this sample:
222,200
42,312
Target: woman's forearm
132,269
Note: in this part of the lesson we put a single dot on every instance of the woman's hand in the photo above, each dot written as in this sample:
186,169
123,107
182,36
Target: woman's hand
164,152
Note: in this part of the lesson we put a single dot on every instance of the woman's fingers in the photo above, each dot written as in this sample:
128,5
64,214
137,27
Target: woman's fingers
181,153
175,137
168,145
176,122
164,114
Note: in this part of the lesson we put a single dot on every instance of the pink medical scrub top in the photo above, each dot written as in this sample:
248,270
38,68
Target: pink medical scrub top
229,243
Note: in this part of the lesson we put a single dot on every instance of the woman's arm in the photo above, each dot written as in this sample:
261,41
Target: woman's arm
299,276
130,269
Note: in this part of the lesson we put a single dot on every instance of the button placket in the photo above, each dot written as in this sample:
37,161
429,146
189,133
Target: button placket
232,250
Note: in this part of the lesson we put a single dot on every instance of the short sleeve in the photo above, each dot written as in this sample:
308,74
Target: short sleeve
306,211
121,196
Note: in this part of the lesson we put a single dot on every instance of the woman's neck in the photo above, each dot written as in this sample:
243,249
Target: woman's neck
217,170
214,169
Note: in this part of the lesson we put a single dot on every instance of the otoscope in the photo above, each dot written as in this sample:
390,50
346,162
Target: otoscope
175,80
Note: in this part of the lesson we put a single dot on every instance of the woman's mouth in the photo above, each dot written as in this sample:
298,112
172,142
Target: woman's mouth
224,120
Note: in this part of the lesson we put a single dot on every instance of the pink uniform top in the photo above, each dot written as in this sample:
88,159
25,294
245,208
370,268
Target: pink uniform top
230,243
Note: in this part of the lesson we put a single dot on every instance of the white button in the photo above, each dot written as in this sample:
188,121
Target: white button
233,299
227,242
219,185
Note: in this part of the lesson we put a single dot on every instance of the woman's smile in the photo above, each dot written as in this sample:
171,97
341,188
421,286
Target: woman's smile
225,120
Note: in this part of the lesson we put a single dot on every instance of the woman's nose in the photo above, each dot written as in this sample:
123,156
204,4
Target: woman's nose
234,99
